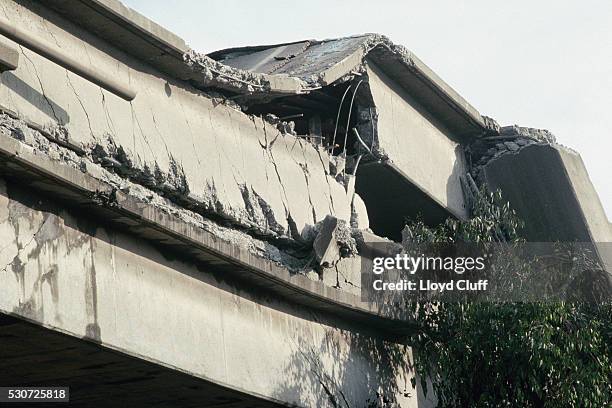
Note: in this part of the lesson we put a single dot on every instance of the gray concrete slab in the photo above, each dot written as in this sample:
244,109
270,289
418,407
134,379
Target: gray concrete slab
320,63
412,143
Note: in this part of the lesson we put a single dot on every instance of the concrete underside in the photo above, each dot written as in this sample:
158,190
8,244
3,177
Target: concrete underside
98,377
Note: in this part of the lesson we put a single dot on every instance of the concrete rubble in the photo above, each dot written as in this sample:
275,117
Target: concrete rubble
109,163
509,139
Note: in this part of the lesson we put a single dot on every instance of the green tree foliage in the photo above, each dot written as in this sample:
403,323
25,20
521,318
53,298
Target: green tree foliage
510,354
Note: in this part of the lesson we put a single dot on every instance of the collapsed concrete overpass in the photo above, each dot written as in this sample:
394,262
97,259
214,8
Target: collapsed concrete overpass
159,207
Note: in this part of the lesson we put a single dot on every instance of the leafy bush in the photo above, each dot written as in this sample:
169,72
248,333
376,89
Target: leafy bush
510,354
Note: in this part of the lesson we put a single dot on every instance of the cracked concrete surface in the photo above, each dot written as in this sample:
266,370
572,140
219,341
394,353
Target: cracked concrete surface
212,158
246,172
211,162
403,134
345,269
17,129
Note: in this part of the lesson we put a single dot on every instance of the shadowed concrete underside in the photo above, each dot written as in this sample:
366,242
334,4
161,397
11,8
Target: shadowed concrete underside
98,377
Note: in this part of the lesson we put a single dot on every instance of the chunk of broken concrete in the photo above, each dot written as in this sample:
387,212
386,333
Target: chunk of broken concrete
333,241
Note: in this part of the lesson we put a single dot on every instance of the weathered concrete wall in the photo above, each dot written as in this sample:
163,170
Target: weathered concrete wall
171,138
418,144
64,271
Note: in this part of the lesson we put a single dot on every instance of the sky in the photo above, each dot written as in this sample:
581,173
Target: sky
543,64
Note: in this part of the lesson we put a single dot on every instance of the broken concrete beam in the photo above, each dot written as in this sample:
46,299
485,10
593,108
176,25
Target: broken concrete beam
420,149
321,63
549,188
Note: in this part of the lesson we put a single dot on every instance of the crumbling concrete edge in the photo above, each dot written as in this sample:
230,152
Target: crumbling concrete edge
268,86
508,140
211,73
169,53
123,210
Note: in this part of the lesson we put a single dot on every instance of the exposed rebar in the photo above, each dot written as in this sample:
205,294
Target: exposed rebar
333,145
348,120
